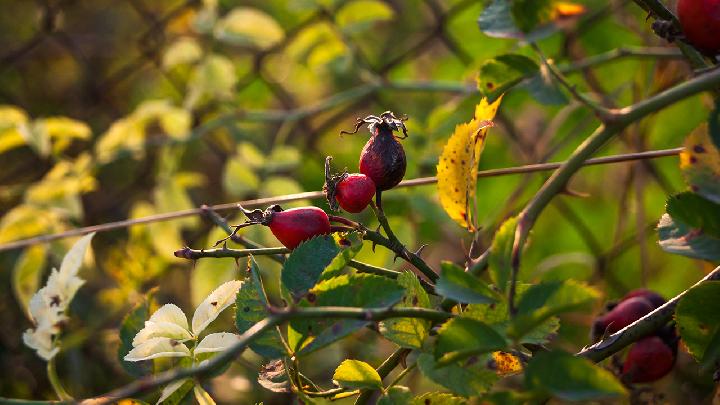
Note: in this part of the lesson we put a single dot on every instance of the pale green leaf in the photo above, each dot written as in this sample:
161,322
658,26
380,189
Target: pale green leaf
357,374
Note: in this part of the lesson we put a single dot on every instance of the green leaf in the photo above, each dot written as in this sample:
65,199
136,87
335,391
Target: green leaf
396,395
570,378
249,27
408,332
543,301
461,338
438,398
318,258
677,237
698,320
175,392
529,14
213,77
456,284
357,290
183,51
711,358
26,274
695,211
496,315
544,89
357,374
501,253
250,308
467,380
499,75
360,15
133,322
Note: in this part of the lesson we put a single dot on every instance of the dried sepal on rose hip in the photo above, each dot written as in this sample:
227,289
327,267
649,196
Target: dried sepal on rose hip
291,227
352,192
383,157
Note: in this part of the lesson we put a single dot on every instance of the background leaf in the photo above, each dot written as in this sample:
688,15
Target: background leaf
698,319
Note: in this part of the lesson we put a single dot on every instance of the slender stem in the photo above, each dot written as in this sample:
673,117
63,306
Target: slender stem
169,216
401,252
400,376
559,179
640,328
194,254
381,271
278,316
55,381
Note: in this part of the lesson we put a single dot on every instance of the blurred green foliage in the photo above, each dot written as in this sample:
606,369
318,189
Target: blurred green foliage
117,110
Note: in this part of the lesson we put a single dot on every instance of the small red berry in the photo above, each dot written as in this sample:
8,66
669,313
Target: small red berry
648,360
622,315
654,298
700,21
355,192
297,225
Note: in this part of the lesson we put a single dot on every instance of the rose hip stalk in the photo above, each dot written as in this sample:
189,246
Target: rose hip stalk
383,158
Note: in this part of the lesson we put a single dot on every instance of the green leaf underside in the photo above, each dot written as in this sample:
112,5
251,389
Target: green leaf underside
250,304
570,378
357,374
541,302
496,316
456,284
679,238
460,338
469,379
356,290
408,332
698,321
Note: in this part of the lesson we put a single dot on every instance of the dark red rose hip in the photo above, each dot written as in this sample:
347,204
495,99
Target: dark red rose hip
648,360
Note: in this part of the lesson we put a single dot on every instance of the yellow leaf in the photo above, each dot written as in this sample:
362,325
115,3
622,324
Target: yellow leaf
506,363
700,163
457,168
564,9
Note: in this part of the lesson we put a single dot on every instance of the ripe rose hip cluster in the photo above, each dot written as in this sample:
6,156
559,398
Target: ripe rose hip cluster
382,167
650,358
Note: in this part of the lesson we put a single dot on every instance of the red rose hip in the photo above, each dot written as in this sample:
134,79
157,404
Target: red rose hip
654,298
622,315
700,21
297,225
648,360
355,192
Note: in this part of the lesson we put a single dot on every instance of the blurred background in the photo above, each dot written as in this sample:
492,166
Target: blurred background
112,110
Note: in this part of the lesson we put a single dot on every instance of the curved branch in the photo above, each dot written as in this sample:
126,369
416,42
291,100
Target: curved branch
640,328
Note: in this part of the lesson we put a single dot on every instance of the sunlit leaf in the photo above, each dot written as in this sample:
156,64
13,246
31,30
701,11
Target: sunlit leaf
408,332
202,397
214,304
506,363
26,220
438,398
26,274
571,378
213,77
700,163
500,263
357,374
249,26
361,14
458,165
184,50
156,348
175,392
